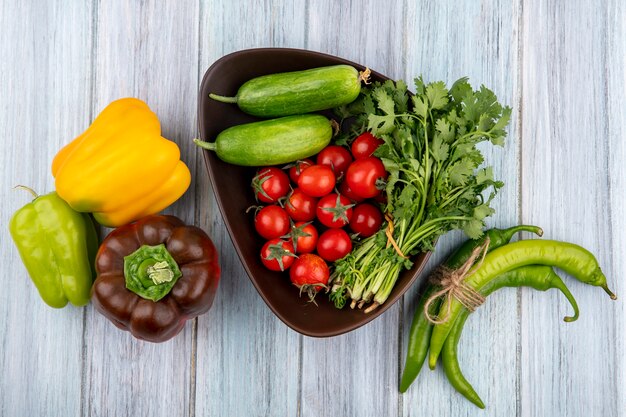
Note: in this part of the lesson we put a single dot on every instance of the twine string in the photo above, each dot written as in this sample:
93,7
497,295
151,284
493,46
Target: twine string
452,283
389,233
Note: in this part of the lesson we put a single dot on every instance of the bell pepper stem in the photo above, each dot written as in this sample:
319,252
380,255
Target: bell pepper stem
206,145
160,272
30,190
151,272
223,99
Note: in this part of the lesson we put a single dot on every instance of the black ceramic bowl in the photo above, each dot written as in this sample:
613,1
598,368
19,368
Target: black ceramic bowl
231,185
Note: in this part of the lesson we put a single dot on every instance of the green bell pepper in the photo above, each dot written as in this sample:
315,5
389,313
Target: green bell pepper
58,246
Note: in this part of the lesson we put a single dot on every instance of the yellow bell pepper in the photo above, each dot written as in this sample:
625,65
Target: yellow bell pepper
121,168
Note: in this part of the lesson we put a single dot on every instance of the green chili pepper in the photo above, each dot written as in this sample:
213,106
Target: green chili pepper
58,246
573,259
419,338
541,278
421,328
497,238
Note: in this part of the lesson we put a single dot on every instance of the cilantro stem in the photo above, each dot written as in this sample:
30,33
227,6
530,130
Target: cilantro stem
434,186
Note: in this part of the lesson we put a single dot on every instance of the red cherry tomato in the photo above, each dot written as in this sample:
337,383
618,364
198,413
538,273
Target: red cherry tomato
309,273
366,220
270,184
304,237
300,206
381,198
277,255
363,174
334,210
344,189
334,244
365,145
336,157
271,222
297,168
317,180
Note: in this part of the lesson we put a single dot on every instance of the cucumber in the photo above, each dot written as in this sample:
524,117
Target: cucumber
272,142
298,92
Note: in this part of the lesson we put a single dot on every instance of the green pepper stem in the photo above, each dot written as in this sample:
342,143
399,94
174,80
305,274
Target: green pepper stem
30,190
206,145
508,233
160,272
223,99
609,292
151,272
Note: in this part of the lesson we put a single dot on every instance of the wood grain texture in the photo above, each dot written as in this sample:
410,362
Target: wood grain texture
616,155
560,65
248,361
479,40
573,52
44,77
148,51
355,374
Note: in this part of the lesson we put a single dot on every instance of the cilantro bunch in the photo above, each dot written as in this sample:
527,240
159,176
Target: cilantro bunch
436,179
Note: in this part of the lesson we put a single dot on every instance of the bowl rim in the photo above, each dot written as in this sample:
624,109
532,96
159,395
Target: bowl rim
421,258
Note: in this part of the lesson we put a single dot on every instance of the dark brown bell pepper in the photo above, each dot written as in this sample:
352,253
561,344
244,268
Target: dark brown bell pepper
155,274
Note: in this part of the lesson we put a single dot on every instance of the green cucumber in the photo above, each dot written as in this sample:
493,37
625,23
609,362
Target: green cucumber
298,92
272,142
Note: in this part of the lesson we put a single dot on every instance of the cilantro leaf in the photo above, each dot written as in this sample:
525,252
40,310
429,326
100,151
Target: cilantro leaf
460,89
439,148
420,106
445,129
380,125
436,183
437,94
473,228
383,101
460,171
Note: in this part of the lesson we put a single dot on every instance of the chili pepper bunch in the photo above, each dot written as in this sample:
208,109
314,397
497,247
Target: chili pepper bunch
495,263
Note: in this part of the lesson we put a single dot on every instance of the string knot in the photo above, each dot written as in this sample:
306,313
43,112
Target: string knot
452,283
389,233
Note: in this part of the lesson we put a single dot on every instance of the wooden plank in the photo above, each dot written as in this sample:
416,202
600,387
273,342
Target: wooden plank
446,41
45,75
149,51
572,184
355,374
616,155
248,361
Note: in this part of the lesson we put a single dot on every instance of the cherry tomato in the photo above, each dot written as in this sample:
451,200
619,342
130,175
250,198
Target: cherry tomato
334,244
366,219
309,273
344,189
336,157
363,174
270,184
365,145
304,237
334,210
381,198
317,180
277,255
271,222
300,206
297,168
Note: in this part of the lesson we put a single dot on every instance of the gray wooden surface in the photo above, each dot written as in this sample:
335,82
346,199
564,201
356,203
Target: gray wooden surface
560,65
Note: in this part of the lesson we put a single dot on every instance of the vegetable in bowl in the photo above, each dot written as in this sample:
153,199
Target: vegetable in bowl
435,184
